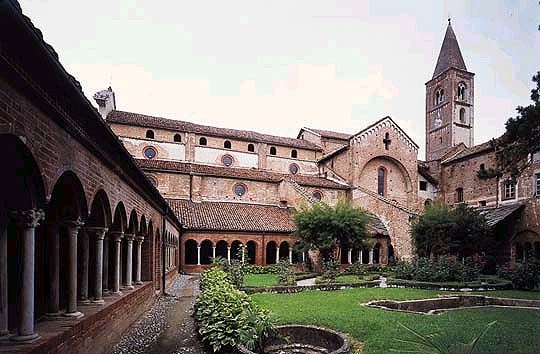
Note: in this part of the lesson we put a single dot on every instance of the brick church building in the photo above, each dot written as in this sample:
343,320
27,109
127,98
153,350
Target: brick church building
100,208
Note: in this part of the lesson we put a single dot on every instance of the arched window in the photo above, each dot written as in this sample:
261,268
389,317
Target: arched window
294,154
459,195
251,147
150,134
177,138
439,96
202,141
227,144
462,115
381,181
461,91
273,150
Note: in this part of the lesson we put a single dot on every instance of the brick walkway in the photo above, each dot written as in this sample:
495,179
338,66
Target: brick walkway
168,327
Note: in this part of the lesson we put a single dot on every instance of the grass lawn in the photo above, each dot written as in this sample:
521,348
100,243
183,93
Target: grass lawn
516,330
260,280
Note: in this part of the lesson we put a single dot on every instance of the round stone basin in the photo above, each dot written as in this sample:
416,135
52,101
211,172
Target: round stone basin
452,302
305,340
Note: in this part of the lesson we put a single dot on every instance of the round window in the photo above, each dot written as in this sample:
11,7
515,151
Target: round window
227,160
317,195
293,168
240,190
150,152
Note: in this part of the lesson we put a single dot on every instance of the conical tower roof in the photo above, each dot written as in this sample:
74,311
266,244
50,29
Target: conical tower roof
450,55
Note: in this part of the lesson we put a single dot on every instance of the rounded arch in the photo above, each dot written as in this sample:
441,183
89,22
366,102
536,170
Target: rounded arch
142,226
177,138
190,252
203,141
236,247
133,225
23,188
377,160
150,134
271,252
284,248
221,249
120,218
251,247
68,200
227,144
100,210
206,252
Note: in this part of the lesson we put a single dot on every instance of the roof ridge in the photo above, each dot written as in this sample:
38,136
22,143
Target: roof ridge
450,54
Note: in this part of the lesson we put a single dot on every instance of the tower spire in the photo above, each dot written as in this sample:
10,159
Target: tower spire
450,54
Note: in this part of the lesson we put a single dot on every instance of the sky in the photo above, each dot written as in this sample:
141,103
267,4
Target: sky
276,66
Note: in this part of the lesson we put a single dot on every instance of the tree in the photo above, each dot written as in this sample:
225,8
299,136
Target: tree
323,227
522,136
443,230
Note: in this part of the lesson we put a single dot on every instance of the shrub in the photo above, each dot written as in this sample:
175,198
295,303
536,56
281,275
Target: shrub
234,269
227,316
442,270
255,269
285,274
331,270
356,269
524,276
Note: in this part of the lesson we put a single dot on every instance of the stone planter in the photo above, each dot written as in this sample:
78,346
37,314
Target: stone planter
307,340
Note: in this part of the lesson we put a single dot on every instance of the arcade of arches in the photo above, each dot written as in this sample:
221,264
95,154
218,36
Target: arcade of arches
199,249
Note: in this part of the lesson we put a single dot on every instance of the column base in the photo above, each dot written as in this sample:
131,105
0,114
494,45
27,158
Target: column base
4,334
138,282
74,315
98,302
84,302
29,338
117,293
129,287
54,316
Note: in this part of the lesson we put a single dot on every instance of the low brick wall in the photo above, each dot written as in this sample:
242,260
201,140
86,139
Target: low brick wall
98,332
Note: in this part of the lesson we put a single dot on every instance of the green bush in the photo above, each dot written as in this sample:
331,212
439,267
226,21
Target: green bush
442,270
356,269
234,269
227,317
331,270
255,269
524,276
285,273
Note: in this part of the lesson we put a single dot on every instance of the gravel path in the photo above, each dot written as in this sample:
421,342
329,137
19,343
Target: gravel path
306,282
167,328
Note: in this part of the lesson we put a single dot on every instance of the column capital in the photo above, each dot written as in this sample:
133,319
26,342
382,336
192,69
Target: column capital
140,238
75,224
117,235
99,232
28,218
129,237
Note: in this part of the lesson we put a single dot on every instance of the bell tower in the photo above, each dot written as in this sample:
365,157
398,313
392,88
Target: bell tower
449,101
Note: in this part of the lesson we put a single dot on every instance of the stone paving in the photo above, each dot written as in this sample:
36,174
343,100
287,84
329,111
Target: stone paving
168,327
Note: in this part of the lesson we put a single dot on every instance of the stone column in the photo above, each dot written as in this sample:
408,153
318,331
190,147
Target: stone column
229,254
138,263
213,251
117,238
360,256
371,256
99,236
3,282
72,228
198,255
304,257
290,255
85,255
242,249
129,261
349,256
277,254
27,221
53,310
105,278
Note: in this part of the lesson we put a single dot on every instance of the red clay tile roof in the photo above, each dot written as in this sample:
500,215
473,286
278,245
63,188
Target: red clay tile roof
122,117
227,216
331,134
477,149
424,171
231,216
250,174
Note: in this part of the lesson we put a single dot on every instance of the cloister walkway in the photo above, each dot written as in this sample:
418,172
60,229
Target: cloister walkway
168,327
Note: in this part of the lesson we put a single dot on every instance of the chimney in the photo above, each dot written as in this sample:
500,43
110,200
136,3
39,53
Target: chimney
106,102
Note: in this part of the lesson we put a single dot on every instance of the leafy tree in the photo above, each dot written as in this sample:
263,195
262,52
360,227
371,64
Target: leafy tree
323,227
522,136
442,230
